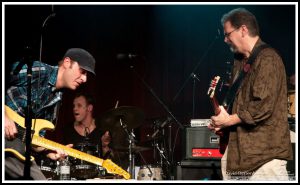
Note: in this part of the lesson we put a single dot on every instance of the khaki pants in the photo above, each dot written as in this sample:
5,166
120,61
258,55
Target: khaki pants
14,170
274,170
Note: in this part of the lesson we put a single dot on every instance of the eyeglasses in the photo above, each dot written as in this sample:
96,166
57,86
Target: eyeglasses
228,34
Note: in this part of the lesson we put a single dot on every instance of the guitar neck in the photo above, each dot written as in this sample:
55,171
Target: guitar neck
40,141
215,105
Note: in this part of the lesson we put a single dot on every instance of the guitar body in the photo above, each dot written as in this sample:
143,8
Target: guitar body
224,138
17,147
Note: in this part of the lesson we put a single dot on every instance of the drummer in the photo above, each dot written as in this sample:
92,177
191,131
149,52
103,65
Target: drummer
85,130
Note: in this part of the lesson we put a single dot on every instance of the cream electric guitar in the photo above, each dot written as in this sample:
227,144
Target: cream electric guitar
40,141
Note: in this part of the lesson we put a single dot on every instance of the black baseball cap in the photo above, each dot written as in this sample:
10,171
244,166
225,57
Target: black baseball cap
85,60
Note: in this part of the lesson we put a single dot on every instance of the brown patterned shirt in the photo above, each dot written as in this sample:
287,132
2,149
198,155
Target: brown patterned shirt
261,104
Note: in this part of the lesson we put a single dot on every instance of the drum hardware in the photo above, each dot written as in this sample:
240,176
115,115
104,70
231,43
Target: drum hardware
157,141
102,171
162,155
161,103
164,106
131,141
49,168
157,136
128,118
81,169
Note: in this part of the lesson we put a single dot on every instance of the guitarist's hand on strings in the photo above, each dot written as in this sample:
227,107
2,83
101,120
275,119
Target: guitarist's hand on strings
58,154
10,128
219,121
222,120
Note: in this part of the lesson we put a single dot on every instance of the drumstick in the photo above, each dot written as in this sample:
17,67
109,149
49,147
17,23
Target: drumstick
116,106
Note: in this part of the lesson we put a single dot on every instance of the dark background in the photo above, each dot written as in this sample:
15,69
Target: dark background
171,42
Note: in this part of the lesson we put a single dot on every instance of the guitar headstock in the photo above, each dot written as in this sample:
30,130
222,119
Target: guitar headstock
115,169
212,87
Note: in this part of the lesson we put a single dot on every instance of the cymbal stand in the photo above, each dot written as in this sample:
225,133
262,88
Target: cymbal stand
162,155
160,145
156,130
131,141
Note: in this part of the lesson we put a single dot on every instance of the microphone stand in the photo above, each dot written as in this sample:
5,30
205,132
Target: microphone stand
44,24
160,101
195,69
131,145
28,123
194,90
157,98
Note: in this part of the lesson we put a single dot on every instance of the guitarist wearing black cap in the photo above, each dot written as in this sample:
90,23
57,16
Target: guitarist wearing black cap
47,85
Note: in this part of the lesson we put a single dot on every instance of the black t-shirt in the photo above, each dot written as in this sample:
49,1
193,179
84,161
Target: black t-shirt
90,144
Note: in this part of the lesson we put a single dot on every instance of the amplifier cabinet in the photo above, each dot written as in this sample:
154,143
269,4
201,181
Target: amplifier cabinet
200,169
200,142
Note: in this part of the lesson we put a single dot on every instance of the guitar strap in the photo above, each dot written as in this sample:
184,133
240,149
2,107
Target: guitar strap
229,98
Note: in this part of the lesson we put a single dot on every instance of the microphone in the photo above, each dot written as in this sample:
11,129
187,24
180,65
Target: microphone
122,56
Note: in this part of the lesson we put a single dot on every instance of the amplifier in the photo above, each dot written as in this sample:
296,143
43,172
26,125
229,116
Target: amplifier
200,143
201,169
200,122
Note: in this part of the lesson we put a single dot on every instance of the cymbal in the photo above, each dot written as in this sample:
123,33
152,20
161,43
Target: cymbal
135,149
131,116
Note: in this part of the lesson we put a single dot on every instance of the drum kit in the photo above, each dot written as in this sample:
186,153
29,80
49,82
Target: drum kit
126,117
82,169
79,169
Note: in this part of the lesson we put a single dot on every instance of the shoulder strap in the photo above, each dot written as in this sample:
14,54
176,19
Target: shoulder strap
235,86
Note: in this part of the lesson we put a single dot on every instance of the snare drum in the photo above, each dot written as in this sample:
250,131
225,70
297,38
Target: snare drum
150,172
81,169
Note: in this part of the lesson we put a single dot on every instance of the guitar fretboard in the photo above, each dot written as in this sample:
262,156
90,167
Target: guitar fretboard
70,151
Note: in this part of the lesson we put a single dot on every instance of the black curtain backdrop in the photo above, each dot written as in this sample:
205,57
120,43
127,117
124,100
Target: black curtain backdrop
169,41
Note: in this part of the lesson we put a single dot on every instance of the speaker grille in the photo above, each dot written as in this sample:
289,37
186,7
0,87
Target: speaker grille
199,138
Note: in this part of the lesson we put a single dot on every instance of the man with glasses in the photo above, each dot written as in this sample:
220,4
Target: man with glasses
259,140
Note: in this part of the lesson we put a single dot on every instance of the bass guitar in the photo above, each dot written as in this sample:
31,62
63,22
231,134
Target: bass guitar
42,124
